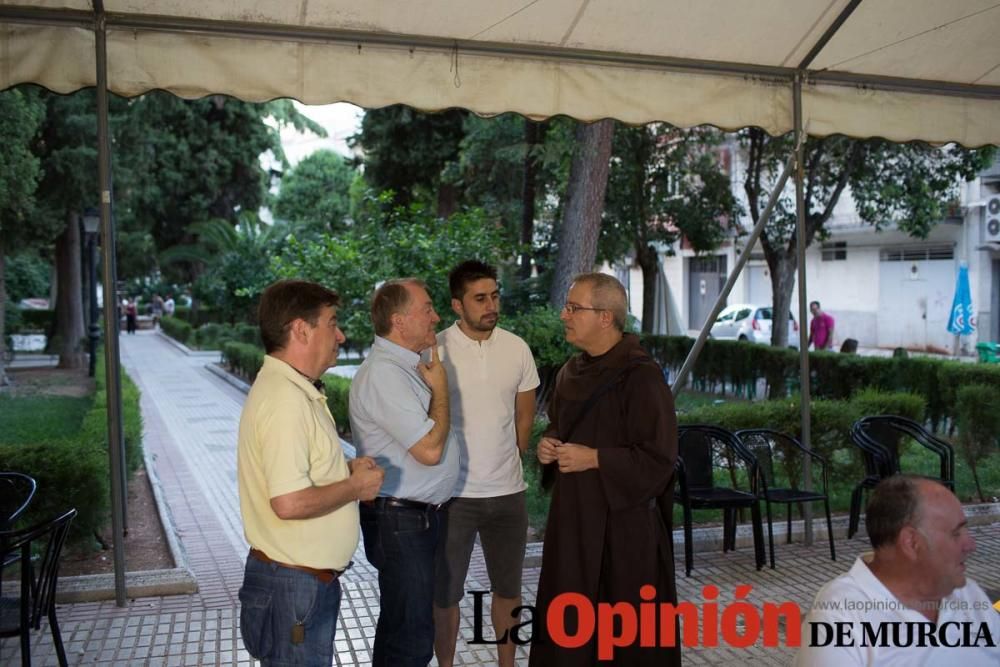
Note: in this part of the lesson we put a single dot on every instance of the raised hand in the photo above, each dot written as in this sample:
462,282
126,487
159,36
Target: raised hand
433,373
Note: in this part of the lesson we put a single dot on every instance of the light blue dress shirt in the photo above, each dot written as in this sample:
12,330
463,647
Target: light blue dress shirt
388,405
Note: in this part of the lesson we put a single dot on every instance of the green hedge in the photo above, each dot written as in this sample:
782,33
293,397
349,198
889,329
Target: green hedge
73,470
199,317
243,359
29,320
177,329
212,335
735,367
831,421
978,428
337,391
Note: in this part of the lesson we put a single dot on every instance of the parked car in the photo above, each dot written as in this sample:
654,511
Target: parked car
746,321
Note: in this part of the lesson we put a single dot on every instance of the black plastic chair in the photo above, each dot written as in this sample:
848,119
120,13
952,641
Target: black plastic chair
20,615
768,446
16,492
878,438
701,451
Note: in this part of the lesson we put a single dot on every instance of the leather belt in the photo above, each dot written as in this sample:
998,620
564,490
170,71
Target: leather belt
325,576
403,503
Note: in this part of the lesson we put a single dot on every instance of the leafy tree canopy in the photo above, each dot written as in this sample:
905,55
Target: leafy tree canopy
406,150
21,113
396,242
178,162
237,262
315,195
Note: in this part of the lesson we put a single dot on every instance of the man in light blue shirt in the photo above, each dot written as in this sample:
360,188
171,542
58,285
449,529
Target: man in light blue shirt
400,417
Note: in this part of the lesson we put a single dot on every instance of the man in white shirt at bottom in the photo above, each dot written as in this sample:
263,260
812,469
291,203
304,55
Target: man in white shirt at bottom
910,602
491,382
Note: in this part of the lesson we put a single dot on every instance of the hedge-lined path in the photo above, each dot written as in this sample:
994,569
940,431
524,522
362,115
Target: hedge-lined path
191,418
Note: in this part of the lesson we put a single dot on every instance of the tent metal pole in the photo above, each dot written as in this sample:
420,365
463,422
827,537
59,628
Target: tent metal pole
800,243
112,361
741,261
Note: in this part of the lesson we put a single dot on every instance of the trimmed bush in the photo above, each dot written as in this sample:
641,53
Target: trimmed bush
737,367
978,426
246,333
196,318
177,329
337,391
72,469
831,422
210,336
243,359
35,320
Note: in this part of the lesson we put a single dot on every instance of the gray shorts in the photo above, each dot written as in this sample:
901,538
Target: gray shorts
502,524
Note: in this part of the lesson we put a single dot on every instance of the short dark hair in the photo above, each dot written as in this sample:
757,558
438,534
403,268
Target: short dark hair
390,298
814,302
895,503
284,302
468,272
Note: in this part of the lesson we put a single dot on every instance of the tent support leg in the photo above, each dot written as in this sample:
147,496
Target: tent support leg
112,359
800,242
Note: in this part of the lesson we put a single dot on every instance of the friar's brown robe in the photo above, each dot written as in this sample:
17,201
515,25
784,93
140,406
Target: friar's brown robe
608,530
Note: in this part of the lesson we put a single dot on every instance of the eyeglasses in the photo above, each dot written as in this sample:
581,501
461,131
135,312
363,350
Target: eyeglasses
572,308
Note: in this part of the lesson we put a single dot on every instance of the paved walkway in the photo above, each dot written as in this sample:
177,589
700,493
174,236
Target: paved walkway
191,420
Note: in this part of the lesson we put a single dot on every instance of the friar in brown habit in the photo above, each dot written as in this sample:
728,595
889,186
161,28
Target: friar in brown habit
610,447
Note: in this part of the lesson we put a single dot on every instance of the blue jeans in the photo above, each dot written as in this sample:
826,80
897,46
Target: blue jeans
400,544
273,599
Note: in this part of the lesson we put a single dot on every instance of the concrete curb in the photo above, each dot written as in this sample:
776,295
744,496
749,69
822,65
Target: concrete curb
227,377
209,354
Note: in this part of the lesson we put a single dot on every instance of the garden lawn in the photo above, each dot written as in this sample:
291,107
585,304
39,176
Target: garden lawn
31,419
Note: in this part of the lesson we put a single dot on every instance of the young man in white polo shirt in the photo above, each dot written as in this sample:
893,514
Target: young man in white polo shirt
492,381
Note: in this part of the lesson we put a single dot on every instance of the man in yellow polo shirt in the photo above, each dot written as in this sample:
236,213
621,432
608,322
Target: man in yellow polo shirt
298,493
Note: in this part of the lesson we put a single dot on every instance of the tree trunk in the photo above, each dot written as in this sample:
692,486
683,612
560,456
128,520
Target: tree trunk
782,264
647,259
532,134
69,331
581,225
447,200
4,380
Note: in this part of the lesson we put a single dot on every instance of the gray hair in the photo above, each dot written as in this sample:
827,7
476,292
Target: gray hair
608,294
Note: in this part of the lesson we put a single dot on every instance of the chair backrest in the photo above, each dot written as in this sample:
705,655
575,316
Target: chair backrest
768,447
16,492
704,448
888,430
879,460
38,579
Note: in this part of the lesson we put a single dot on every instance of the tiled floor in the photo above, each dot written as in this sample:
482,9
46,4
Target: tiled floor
191,420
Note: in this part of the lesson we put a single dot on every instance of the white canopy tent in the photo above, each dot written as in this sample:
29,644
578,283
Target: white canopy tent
901,69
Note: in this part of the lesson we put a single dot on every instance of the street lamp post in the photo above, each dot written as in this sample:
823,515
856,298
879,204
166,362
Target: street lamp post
91,225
